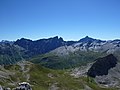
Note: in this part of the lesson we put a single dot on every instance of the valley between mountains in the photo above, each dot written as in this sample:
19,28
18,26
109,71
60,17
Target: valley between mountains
55,64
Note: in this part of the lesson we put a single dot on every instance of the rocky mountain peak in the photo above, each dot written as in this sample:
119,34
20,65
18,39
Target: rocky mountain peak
87,39
40,46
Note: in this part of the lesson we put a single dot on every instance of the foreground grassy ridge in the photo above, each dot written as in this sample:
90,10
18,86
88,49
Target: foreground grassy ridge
45,79
77,58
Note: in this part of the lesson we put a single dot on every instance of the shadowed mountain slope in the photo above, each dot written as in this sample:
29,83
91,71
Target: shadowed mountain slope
102,65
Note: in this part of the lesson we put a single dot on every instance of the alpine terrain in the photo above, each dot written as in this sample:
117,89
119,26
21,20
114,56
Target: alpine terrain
55,64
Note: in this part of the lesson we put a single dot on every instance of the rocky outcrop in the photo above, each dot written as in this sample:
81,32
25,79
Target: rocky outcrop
1,87
23,86
112,79
102,65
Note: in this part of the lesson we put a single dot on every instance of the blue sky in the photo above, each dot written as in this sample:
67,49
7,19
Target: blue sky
70,19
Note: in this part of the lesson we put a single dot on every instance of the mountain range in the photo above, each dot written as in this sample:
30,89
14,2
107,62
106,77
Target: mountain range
93,59
24,49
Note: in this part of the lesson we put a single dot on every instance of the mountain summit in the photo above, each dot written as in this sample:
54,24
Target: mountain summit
40,46
89,39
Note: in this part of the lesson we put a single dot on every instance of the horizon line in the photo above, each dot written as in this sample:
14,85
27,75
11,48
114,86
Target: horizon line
33,39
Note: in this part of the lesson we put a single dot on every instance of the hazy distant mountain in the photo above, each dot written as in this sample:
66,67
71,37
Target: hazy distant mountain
88,39
40,46
25,48
90,44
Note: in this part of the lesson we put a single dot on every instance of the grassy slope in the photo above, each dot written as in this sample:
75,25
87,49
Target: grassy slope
40,80
69,61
